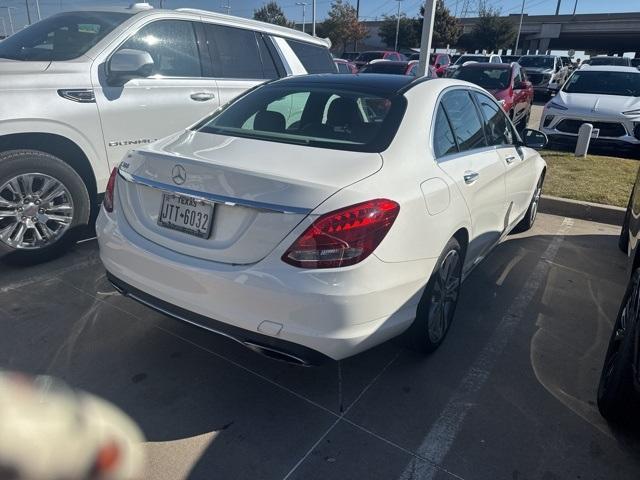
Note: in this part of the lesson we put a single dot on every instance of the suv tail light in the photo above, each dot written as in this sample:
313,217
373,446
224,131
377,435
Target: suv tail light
108,194
343,237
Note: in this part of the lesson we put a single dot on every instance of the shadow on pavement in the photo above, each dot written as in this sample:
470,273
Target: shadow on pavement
211,409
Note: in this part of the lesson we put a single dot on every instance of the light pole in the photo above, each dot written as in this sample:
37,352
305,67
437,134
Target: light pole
427,33
10,18
38,10
304,8
397,26
558,7
26,3
515,51
228,7
575,6
313,17
4,27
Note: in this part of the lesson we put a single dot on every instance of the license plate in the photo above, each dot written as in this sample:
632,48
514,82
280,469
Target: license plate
186,215
595,133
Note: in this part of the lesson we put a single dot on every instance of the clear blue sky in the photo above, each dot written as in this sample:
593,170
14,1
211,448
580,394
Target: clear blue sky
369,9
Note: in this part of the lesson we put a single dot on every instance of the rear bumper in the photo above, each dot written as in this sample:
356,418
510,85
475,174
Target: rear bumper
265,344
312,315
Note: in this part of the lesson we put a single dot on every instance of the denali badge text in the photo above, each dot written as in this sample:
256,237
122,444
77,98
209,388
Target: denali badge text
178,174
124,143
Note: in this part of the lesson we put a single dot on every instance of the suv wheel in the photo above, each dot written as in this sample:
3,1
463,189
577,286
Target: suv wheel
44,205
532,212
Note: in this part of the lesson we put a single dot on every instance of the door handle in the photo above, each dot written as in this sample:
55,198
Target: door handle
202,96
470,177
510,159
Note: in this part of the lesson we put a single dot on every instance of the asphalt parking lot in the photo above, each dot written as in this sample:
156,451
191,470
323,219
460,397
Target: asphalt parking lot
509,395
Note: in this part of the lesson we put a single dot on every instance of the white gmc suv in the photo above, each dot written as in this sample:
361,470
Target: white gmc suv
78,89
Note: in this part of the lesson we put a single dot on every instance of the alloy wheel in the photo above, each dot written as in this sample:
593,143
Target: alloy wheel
535,202
444,296
35,211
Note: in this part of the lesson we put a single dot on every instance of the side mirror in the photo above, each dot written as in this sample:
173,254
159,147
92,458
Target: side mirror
534,138
128,63
520,86
553,89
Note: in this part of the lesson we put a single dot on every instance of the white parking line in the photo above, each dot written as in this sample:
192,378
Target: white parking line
438,441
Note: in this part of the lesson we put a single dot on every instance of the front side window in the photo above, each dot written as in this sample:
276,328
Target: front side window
61,37
443,141
314,58
234,52
172,45
497,128
313,116
464,119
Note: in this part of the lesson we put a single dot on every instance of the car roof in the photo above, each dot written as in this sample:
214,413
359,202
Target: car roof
393,62
551,56
382,83
610,68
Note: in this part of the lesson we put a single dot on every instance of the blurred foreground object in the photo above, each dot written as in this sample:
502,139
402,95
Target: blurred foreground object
49,431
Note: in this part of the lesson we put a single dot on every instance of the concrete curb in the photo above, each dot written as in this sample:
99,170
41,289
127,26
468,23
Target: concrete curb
594,212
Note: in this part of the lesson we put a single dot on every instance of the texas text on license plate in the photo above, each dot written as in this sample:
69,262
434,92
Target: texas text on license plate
186,214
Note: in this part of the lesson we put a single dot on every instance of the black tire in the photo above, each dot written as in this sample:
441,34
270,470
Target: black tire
618,400
524,122
432,311
532,212
623,239
14,163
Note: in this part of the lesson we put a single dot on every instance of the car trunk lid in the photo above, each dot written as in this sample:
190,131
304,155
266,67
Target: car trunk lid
259,190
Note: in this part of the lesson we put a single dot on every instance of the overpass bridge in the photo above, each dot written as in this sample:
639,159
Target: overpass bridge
597,33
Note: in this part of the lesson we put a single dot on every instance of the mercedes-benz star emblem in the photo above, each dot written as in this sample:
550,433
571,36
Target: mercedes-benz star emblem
179,174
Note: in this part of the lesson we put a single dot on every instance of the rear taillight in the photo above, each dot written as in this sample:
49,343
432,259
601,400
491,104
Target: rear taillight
343,237
108,194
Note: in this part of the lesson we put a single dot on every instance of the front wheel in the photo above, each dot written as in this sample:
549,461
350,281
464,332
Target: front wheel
44,205
439,300
617,398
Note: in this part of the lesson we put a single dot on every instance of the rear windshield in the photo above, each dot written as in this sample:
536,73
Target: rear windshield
368,56
618,61
317,116
625,84
487,77
385,67
536,62
471,58
61,37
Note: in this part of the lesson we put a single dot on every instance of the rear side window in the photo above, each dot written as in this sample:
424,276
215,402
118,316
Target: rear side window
464,119
497,126
443,141
172,45
314,58
235,52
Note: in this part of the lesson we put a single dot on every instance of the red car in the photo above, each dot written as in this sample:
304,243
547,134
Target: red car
345,66
507,83
366,57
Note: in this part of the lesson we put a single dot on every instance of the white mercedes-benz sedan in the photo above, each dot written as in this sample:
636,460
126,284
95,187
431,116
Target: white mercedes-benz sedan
317,216
608,97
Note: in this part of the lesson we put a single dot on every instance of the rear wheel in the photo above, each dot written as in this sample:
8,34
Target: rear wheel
617,398
44,205
532,212
439,300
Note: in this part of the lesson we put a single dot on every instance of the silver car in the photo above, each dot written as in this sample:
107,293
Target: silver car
547,73
79,89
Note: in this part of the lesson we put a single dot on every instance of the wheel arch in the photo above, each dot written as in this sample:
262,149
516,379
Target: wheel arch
462,236
65,149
